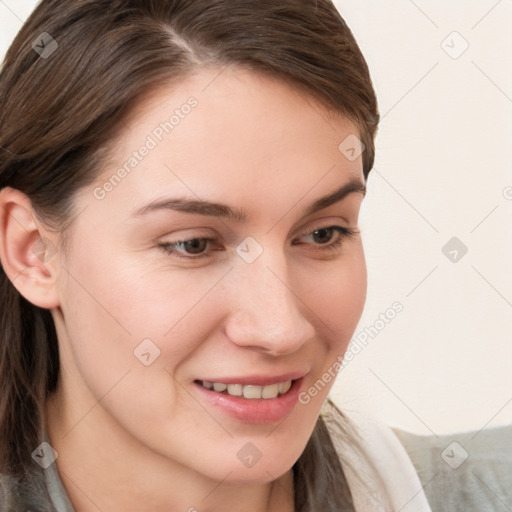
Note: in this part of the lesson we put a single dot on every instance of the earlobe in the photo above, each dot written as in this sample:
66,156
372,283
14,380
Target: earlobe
27,253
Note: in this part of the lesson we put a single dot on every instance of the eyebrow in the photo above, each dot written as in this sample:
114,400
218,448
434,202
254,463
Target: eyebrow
201,207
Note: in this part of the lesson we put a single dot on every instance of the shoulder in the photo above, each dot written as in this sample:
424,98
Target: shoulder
379,471
465,471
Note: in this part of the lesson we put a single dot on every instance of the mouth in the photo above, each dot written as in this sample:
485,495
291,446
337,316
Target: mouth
255,400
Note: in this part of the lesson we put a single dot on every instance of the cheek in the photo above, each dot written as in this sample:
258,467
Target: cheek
336,295
121,314
337,300
126,331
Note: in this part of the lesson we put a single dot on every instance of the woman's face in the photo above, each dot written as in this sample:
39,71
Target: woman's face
266,290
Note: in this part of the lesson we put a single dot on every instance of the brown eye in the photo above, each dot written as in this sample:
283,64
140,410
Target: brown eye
322,236
193,246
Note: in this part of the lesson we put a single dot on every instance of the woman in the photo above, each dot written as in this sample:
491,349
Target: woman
182,269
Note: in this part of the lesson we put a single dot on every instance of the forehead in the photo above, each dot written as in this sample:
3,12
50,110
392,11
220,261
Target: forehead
244,104
228,131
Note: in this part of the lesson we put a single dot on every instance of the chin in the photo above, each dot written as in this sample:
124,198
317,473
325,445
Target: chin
253,466
259,474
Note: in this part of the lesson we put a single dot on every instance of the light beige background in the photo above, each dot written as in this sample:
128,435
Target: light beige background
443,170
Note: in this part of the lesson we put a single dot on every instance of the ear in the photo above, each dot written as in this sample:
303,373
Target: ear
27,253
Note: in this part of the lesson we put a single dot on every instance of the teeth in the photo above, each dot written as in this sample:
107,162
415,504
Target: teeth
235,389
270,391
249,391
252,391
285,386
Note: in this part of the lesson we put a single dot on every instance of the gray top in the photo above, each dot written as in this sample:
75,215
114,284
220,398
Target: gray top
465,471
58,495
41,490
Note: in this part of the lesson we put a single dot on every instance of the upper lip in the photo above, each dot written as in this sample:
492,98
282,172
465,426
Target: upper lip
258,380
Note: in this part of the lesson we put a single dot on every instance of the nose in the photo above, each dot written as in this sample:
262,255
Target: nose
266,311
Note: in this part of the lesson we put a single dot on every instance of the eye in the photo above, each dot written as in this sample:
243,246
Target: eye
194,248
326,234
195,245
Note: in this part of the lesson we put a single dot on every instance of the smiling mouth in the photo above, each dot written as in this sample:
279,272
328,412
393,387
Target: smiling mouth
248,391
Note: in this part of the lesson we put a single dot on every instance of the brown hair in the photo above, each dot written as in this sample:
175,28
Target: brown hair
60,111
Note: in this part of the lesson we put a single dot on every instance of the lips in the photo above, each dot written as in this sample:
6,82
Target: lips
253,399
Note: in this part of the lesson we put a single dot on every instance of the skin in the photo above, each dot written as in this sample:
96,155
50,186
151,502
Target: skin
132,437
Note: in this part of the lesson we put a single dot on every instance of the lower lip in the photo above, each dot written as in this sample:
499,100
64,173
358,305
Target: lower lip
257,410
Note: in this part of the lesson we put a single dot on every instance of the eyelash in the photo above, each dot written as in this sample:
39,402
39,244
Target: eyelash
344,233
